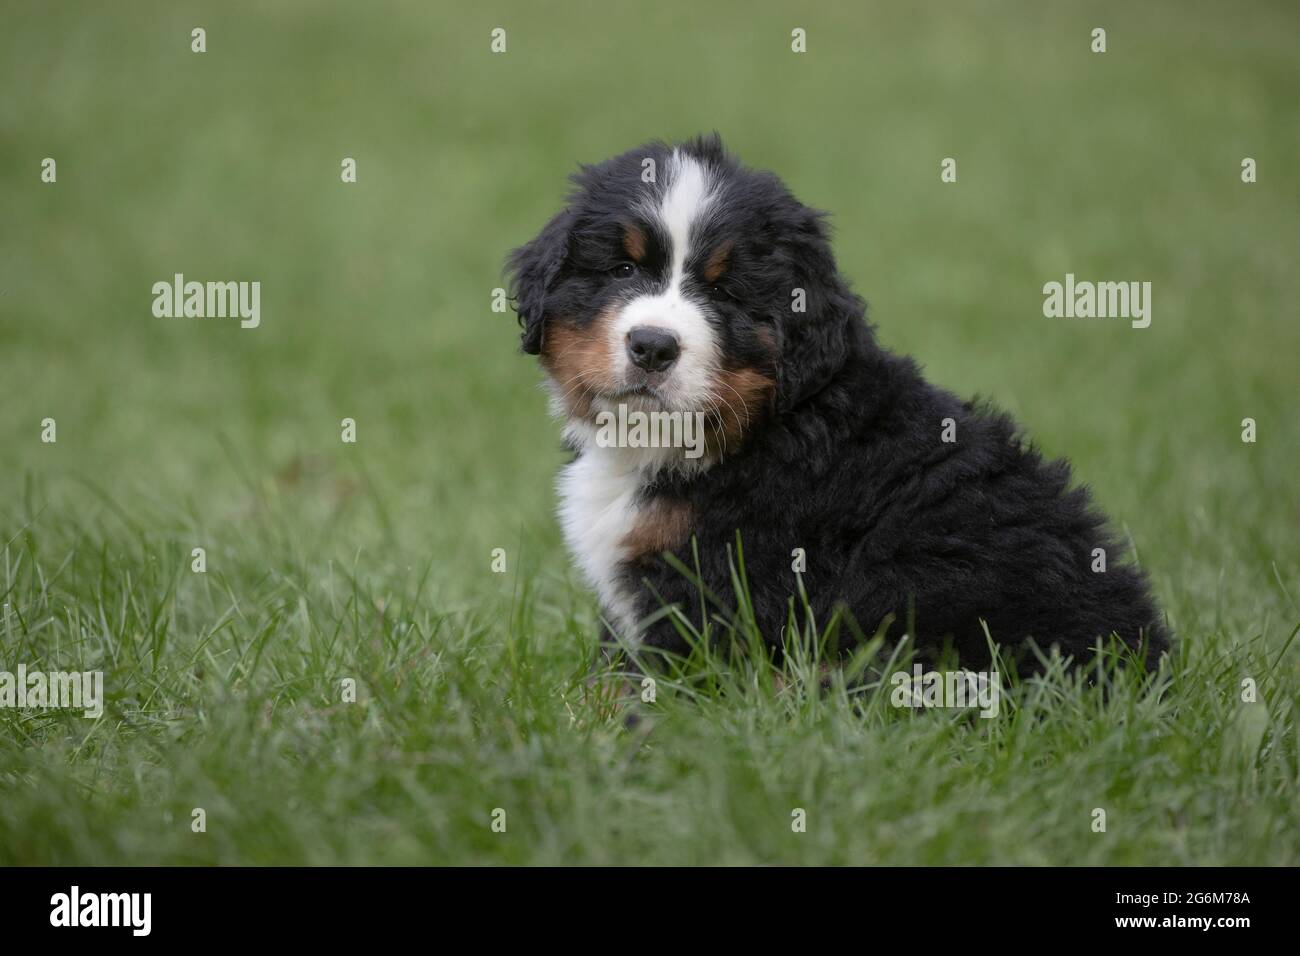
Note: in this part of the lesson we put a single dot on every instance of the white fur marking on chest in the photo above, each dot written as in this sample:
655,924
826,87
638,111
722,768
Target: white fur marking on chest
598,509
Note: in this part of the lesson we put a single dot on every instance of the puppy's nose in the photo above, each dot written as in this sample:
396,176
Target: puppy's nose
652,349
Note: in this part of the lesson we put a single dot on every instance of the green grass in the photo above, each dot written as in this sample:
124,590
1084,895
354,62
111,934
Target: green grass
372,561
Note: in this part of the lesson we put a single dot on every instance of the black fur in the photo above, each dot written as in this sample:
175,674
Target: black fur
848,462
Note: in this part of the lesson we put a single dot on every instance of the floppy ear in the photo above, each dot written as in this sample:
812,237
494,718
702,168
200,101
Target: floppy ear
813,343
533,269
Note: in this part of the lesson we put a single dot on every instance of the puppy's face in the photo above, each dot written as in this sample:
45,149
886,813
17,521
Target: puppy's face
675,280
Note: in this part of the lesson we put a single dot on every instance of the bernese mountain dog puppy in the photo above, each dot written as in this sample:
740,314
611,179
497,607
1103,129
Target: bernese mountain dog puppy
677,280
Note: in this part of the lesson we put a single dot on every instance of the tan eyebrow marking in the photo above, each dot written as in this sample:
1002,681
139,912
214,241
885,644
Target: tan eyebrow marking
717,263
634,242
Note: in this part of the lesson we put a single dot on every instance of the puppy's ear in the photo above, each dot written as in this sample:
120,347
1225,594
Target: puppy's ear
533,269
813,343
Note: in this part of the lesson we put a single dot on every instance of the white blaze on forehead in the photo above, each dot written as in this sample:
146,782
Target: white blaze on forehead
686,202
683,208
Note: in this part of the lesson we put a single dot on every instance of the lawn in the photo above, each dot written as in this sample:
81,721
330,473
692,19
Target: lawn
372,561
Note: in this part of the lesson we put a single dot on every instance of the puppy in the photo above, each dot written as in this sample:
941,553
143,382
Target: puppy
678,287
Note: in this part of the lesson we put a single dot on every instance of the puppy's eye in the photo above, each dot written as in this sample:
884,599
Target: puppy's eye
624,270
718,294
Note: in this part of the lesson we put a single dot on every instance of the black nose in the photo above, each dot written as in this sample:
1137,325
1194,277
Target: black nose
652,349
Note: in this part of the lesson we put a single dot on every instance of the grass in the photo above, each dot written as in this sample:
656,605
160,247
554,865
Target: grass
372,561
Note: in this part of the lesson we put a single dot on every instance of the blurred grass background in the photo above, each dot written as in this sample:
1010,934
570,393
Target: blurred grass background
375,305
